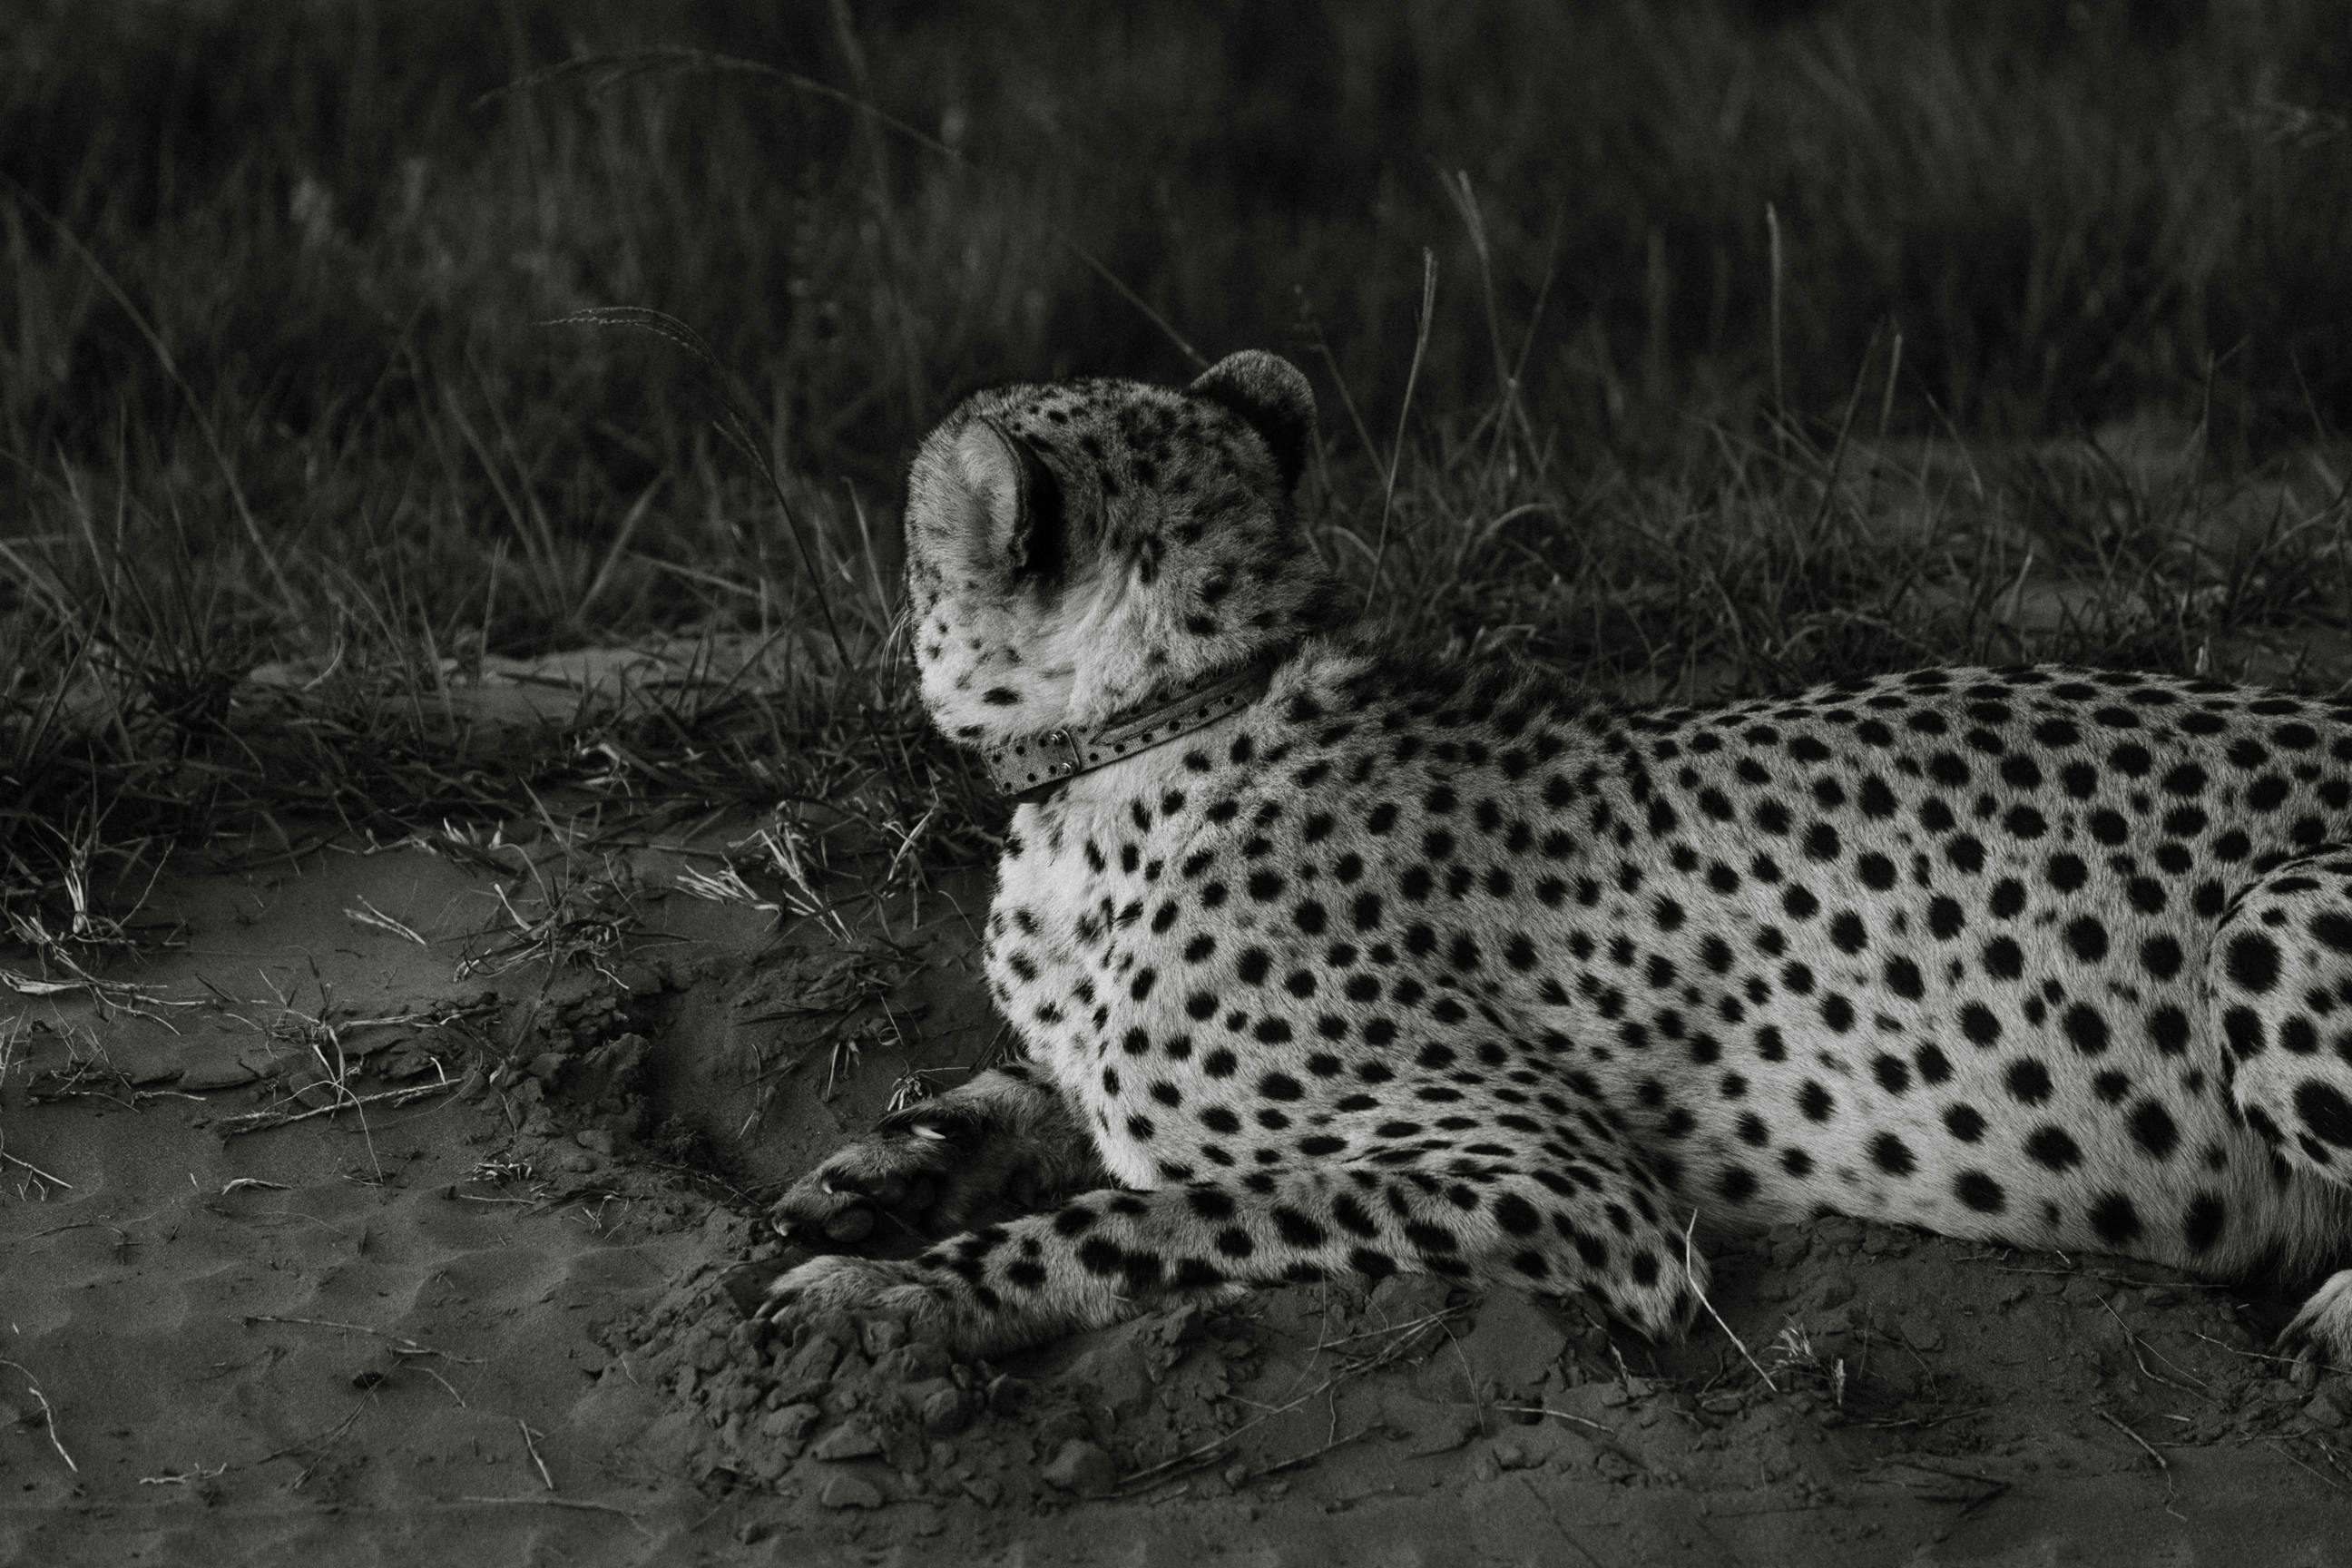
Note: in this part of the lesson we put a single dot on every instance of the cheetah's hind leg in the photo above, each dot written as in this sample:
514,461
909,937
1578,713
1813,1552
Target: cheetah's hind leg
925,1171
2281,974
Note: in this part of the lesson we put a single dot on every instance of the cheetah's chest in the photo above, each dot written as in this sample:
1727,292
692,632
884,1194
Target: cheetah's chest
1065,967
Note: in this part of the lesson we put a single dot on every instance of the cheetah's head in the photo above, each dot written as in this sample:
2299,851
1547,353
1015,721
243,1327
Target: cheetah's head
1072,549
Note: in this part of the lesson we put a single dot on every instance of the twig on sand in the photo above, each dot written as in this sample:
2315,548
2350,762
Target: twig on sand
49,1414
585,1504
1192,1458
186,1478
1295,1460
2108,1416
263,1120
402,1343
2132,1337
53,1180
528,1443
444,1383
1690,1273
1405,1335
1555,1415
2285,1447
326,1446
367,914
2163,1465
118,995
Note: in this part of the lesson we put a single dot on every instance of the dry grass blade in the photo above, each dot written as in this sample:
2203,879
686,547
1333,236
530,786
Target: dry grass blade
585,920
736,426
29,1165
392,1099
49,1413
603,71
123,995
531,1445
1690,1276
367,914
1399,1341
154,340
402,1344
1404,416
584,1505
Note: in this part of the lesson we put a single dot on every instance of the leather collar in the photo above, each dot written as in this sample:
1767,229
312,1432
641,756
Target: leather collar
1030,765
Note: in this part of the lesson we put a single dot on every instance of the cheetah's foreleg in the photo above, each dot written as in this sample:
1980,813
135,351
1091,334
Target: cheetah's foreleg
1107,1254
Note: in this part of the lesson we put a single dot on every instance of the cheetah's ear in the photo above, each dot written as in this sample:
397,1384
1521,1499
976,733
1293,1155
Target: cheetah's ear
1015,501
1271,395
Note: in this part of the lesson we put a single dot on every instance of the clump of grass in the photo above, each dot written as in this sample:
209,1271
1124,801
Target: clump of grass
1817,548
585,920
1683,379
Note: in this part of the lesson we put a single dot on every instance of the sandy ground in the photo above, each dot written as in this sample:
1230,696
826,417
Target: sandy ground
498,1321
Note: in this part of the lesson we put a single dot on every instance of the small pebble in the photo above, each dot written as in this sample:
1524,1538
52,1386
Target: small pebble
947,1412
849,1492
850,1440
791,1425
1081,1466
214,1075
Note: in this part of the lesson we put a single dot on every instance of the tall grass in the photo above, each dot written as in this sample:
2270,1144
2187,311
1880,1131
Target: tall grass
276,379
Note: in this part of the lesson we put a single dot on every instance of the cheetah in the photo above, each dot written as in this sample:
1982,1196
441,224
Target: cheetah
1330,964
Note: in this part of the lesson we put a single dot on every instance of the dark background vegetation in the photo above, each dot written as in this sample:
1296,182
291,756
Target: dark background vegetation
276,381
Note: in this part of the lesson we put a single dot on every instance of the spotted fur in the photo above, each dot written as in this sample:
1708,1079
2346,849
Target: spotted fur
1454,972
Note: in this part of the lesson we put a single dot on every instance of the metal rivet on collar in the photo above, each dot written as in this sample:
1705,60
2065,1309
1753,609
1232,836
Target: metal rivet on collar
1073,761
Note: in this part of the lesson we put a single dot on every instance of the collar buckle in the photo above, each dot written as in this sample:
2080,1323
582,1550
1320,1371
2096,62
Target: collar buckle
1060,739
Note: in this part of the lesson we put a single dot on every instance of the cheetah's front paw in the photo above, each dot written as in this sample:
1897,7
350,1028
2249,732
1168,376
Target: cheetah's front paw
920,1173
834,1295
